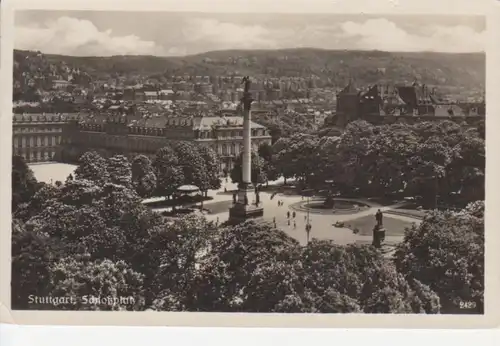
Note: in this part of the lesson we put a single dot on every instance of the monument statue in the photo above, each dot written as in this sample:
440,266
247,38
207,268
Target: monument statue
247,82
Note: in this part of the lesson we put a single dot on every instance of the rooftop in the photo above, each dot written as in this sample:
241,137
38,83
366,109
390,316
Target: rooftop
205,123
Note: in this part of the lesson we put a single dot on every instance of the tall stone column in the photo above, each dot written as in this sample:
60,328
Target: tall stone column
244,206
247,139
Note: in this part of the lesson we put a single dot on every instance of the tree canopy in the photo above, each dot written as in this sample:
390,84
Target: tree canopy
446,252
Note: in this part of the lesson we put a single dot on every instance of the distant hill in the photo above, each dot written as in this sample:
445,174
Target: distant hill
335,67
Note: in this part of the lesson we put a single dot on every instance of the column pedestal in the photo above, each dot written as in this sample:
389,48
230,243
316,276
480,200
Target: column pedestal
241,211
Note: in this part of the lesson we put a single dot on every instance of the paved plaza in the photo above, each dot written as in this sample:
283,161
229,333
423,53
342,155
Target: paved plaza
322,224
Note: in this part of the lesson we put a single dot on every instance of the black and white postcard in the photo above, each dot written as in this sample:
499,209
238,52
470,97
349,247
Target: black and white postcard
248,166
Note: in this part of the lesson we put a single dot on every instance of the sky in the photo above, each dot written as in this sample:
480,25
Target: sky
104,33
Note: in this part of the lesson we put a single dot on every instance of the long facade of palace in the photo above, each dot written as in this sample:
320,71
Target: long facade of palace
40,138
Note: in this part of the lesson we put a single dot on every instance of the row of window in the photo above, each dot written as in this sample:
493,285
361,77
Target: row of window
156,131
18,129
36,156
36,141
231,134
102,140
232,149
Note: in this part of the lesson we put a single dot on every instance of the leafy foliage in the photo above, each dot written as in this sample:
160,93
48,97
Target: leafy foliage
143,176
96,285
446,252
258,173
24,183
169,174
211,160
92,167
438,161
119,170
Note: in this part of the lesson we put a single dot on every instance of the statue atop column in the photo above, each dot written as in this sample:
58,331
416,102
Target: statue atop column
247,98
242,210
246,80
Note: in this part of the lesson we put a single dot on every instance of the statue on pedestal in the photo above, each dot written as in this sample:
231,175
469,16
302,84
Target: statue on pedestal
379,218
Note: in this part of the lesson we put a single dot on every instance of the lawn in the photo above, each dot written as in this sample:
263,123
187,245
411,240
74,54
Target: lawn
365,224
52,172
408,212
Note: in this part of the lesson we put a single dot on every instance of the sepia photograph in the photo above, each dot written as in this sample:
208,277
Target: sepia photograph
248,163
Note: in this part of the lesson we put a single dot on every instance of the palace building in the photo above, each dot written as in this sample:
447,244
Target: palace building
40,138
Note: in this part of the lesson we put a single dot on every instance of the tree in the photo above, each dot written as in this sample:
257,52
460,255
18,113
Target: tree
446,252
92,167
143,176
24,183
96,285
352,278
169,176
266,153
258,174
211,166
36,204
387,160
278,147
119,171
236,257
353,146
466,171
80,192
192,164
429,167
174,252
300,157
31,258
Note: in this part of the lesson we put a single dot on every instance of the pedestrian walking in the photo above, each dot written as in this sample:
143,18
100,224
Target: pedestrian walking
293,215
288,222
288,214
217,222
294,225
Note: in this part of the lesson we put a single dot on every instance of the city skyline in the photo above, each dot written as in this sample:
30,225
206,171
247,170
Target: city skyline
103,33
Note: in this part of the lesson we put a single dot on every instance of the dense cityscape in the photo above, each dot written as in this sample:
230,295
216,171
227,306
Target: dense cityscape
296,180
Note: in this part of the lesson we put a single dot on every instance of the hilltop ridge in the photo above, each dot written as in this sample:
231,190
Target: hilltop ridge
337,67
